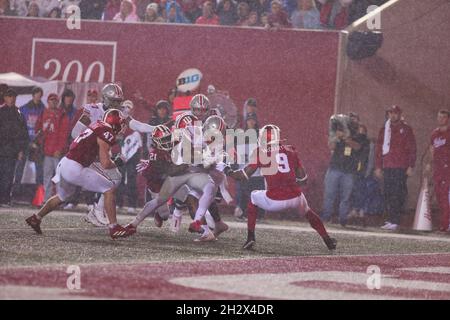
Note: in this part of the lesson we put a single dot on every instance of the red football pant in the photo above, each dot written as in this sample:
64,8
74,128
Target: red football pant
442,190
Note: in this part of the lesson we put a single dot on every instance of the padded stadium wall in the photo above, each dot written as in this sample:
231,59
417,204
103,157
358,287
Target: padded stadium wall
291,73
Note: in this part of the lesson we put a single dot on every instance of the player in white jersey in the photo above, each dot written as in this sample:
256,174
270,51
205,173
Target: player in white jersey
112,97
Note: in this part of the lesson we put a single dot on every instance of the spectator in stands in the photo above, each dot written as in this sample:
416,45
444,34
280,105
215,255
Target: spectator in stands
141,8
191,10
20,7
174,13
289,6
395,160
53,135
64,4
208,17
339,179
243,11
227,12
335,14
31,112
131,146
45,6
13,143
260,6
3,89
151,14
306,15
92,96
250,107
256,181
278,18
127,12
92,9
112,8
253,20
264,18
33,10
5,8
366,197
67,105
55,13
440,150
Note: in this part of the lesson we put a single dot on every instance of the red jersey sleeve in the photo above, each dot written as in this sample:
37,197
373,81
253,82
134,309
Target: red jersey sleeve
105,134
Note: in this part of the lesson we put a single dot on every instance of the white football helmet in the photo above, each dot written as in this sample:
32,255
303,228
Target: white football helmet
112,95
200,106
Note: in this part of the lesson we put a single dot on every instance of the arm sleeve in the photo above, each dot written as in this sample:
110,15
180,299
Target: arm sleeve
140,126
77,129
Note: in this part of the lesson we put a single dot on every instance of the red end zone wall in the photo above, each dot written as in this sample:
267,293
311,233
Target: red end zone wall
291,73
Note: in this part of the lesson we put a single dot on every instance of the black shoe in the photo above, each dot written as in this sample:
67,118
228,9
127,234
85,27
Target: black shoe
331,243
248,245
34,223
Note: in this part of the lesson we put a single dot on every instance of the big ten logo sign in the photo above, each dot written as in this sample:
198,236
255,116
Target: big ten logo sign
189,80
73,60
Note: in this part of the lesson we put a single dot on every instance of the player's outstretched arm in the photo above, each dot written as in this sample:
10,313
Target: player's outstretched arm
103,153
242,174
139,126
81,125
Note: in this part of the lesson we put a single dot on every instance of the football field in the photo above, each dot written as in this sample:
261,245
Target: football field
74,260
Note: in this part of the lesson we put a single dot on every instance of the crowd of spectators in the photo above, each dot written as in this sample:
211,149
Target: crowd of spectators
304,14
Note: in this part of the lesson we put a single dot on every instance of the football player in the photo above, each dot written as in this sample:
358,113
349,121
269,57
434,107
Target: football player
283,178
74,170
112,97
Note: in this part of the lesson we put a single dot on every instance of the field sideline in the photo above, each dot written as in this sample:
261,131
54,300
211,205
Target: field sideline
290,262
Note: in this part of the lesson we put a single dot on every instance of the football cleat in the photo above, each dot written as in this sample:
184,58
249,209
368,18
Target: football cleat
120,232
249,244
158,220
195,226
206,237
331,243
92,219
130,229
34,223
220,228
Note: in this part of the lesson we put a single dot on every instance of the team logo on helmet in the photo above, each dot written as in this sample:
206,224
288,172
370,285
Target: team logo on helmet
162,138
114,119
112,95
200,105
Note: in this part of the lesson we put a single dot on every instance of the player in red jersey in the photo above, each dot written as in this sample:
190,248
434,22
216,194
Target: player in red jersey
74,170
440,150
284,174
155,169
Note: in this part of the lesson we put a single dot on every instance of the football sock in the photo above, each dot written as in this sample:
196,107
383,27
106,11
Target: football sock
205,200
146,211
251,216
316,223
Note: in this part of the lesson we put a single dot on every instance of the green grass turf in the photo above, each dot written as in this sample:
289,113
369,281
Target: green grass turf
67,239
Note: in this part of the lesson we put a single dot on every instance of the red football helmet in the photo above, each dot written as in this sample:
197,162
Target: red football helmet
269,135
184,120
162,137
114,119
